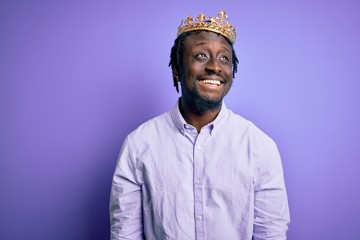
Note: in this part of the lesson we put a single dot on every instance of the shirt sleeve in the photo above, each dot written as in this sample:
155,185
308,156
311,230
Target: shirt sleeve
271,211
125,198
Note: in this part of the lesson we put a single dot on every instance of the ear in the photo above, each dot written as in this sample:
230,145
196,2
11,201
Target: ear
175,74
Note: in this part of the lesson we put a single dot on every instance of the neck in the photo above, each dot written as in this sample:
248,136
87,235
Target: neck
195,117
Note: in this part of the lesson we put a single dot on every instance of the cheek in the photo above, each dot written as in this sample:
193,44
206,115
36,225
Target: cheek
190,72
229,74
229,70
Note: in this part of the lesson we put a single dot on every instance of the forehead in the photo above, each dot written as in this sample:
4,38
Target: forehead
205,38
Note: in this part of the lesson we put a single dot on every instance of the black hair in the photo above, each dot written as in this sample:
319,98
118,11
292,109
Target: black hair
177,51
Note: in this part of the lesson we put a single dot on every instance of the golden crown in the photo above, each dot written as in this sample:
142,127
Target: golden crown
213,24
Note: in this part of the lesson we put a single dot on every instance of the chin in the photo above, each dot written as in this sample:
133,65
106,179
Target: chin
206,104
201,102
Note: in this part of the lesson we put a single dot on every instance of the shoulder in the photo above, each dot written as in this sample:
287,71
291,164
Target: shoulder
254,135
153,127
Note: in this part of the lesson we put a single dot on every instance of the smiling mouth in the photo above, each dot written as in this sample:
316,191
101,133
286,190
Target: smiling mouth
212,81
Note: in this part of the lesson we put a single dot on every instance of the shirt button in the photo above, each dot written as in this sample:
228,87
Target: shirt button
198,147
197,182
199,218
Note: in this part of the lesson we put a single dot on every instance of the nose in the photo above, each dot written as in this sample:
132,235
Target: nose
213,66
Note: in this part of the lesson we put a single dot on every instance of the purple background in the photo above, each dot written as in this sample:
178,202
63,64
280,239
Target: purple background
77,76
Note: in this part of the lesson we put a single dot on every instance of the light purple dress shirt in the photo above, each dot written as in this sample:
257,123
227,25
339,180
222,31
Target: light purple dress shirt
224,183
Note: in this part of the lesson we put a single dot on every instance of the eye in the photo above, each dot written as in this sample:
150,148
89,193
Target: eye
201,56
224,59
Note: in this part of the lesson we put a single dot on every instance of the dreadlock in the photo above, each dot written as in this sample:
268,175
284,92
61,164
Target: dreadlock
176,56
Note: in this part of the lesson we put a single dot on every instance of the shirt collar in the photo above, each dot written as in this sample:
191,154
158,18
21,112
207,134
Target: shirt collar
180,122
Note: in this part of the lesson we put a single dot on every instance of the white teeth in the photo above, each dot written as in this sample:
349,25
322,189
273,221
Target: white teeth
211,81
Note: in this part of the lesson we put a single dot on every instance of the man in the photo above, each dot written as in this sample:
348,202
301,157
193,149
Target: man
199,171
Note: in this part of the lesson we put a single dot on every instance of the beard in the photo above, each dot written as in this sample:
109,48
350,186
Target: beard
200,103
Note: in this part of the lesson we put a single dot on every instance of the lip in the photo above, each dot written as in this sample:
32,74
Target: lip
211,83
222,81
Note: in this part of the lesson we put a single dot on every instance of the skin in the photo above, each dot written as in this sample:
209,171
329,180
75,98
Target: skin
207,55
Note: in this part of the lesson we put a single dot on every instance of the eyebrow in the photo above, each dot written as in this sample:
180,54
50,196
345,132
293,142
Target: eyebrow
200,43
204,43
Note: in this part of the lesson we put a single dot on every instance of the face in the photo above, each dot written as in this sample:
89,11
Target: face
207,70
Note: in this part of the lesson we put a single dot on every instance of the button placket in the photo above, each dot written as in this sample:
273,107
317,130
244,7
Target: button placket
198,187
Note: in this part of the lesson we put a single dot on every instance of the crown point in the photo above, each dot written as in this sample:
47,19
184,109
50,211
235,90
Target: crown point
222,14
201,17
